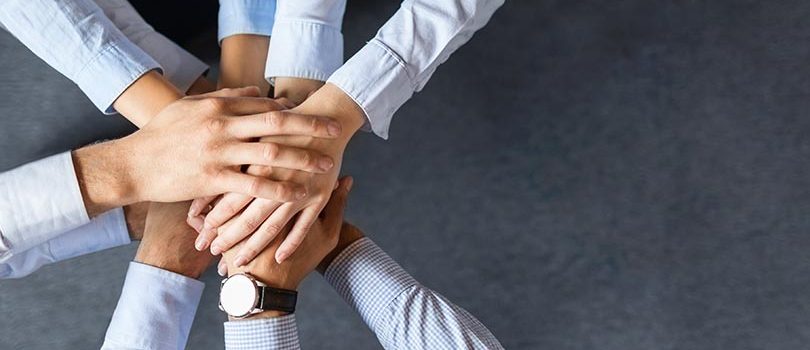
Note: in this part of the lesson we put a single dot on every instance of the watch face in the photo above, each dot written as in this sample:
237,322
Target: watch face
238,295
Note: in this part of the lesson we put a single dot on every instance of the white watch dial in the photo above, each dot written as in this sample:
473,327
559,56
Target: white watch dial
238,295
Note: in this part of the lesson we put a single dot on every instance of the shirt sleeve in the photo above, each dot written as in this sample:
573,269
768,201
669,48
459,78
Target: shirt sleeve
38,202
307,42
401,312
155,311
78,40
267,333
180,67
106,231
246,17
406,51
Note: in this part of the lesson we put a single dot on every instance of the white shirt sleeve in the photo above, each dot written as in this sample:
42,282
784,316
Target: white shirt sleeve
180,67
108,230
246,17
38,202
406,51
77,39
155,310
307,42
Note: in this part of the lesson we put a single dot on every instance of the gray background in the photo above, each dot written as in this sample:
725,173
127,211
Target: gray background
581,175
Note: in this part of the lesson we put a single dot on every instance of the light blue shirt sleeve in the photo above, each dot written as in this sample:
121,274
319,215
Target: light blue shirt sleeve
180,67
105,231
77,39
155,310
246,17
400,311
406,51
307,40
38,202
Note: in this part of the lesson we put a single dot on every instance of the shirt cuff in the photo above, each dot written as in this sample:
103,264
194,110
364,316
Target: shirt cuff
155,311
368,279
376,79
180,67
246,17
39,201
112,71
266,333
304,49
106,231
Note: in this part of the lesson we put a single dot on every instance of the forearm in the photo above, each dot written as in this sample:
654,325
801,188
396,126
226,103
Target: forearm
242,62
103,172
146,97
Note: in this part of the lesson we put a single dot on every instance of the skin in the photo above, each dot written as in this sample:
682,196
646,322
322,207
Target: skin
236,216
320,241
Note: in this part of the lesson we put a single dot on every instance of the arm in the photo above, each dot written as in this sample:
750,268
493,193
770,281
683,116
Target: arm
273,329
400,311
161,291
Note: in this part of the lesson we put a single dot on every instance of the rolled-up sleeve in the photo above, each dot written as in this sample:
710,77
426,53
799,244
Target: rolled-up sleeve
180,67
77,39
406,51
246,17
105,231
38,202
307,41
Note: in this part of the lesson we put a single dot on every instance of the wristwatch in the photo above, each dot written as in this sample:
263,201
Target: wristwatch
241,295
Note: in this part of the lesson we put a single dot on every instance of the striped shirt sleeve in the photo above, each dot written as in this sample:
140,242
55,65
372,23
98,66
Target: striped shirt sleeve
267,333
400,311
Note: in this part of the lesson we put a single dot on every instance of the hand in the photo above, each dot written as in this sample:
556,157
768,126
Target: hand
267,218
348,235
168,242
199,142
135,216
321,240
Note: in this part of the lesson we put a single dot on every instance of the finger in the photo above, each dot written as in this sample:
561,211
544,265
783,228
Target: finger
242,106
230,205
248,91
200,204
333,212
276,155
283,123
196,222
271,228
298,233
285,102
255,186
254,216
222,268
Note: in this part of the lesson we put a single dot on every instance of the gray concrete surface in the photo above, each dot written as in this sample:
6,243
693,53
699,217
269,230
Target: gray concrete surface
582,175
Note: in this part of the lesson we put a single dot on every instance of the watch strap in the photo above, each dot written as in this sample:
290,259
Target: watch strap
277,299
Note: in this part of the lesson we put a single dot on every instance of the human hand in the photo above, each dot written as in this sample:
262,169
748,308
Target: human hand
200,141
348,235
268,217
321,240
168,242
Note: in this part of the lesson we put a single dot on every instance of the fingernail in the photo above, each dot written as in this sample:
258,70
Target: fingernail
199,244
216,249
222,270
281,256
240,261
334,129
325,164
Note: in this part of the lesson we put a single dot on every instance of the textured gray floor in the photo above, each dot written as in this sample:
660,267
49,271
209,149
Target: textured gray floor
582,175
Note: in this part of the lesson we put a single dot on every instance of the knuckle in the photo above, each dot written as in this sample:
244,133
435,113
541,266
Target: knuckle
216,125
283,192
274,119
254,185
270,151
307,159
215,103
314,123
272,228
251,223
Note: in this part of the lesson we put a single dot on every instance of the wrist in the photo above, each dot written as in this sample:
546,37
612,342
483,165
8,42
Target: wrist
242,60
103,177
263,314
348,235
146,97
330,101
297,90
